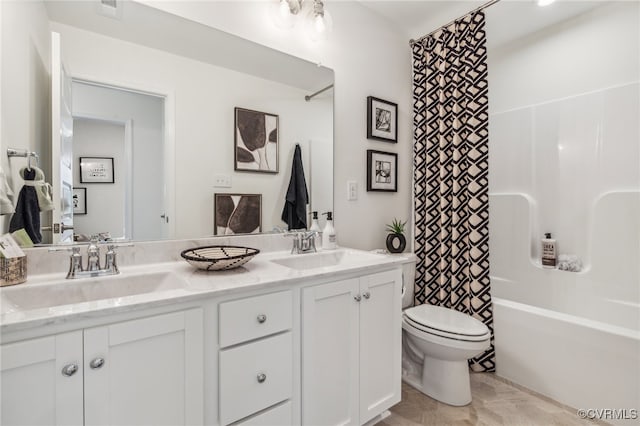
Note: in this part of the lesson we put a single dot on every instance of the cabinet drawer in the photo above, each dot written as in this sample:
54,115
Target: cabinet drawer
254,317
276,416
255,376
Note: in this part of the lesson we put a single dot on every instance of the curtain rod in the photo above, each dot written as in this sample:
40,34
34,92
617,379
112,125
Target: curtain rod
484,6
308,97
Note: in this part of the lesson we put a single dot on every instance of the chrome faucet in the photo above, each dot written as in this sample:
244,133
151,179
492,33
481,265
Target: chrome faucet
93,268
303,241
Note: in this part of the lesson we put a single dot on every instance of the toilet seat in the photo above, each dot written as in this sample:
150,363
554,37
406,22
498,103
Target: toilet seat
446,323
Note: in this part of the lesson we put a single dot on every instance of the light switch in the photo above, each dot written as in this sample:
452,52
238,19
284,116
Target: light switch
222,181
352,190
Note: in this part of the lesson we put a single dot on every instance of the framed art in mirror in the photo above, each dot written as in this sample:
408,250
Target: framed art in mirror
382,171
237,214
79,200
96,170
256,141
382,120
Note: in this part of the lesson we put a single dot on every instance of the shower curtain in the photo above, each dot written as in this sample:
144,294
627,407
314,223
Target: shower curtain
451,167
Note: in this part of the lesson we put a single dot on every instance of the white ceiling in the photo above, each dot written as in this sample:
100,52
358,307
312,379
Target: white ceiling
507,20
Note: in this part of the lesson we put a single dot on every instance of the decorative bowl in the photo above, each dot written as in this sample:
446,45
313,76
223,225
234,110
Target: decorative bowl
218,258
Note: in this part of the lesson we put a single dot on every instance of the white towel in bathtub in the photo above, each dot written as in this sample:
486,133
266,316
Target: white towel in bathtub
6,205
569,262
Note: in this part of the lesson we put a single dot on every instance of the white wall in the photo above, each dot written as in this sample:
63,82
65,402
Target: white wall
205,97
24,87
369,59
105,201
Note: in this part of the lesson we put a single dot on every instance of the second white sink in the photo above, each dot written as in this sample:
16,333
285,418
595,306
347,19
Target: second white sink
326,259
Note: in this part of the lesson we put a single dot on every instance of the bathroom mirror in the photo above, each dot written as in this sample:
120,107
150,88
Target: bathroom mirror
154,100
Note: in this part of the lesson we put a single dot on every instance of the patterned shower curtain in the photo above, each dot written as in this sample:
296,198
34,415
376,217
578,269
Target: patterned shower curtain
451,169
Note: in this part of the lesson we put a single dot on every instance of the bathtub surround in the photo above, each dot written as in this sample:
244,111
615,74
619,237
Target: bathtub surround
450,172
565,149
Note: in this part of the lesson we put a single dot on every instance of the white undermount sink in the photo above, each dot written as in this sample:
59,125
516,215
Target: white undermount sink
66,292
327,259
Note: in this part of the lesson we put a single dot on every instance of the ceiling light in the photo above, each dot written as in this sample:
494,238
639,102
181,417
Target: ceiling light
543,3
317,19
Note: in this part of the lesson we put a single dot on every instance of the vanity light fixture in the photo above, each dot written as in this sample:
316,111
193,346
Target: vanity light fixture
317,20
543,3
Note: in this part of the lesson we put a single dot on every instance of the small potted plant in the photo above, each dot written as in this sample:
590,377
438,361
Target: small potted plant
396,242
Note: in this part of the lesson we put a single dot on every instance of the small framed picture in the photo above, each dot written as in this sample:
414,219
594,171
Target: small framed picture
382,171
237,214
382,120
256,141
79,200
96,170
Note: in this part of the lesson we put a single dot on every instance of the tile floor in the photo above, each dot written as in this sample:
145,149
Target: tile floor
495,402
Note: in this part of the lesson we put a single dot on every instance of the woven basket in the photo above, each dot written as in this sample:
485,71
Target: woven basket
218,258
13,271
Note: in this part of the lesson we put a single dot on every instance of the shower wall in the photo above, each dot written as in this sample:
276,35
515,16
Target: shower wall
564,136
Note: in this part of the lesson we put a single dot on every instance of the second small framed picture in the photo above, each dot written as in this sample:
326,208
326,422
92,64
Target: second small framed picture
382,120
382,171
79,200
96,170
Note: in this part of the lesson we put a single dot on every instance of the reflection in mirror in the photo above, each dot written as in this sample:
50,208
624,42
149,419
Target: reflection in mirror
190,78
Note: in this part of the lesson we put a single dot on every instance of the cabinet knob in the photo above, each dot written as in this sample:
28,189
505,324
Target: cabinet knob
366,295
69,370
262,318
262,377
357,297
96,363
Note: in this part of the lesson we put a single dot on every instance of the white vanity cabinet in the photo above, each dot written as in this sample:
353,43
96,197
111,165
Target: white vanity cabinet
143,371
351,349
256,367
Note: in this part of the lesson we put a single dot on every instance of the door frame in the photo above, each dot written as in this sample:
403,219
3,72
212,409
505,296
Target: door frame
168,94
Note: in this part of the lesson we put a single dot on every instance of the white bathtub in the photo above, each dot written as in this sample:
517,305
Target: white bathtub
574,337
580,362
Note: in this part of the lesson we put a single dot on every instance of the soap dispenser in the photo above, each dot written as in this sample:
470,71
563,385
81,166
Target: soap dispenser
329,234
316,227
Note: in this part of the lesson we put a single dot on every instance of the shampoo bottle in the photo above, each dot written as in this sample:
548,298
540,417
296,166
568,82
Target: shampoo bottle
329,234
548,251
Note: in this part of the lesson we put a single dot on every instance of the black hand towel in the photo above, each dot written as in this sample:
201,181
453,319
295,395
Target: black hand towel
295,206
27,213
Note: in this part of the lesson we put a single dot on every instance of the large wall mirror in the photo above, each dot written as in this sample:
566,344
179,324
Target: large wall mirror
160,125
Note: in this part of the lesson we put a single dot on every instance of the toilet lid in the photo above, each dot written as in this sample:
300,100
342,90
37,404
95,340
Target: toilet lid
446,320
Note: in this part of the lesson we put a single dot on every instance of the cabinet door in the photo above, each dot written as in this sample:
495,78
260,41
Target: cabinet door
152,372
41,381
330,354
380,343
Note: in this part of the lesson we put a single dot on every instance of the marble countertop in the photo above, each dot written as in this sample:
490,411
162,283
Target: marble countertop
260,273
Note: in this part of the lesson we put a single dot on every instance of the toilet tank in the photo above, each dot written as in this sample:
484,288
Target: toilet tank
408,282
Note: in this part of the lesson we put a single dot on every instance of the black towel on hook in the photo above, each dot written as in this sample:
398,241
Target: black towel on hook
27,213
294,213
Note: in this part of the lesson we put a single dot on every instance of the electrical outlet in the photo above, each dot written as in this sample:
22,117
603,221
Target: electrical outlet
352,190
222,181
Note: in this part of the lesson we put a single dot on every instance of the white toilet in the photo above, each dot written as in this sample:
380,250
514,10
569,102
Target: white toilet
436,344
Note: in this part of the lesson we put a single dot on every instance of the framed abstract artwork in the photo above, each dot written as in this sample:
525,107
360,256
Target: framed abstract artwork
255,141
382,120
382,171
237,214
